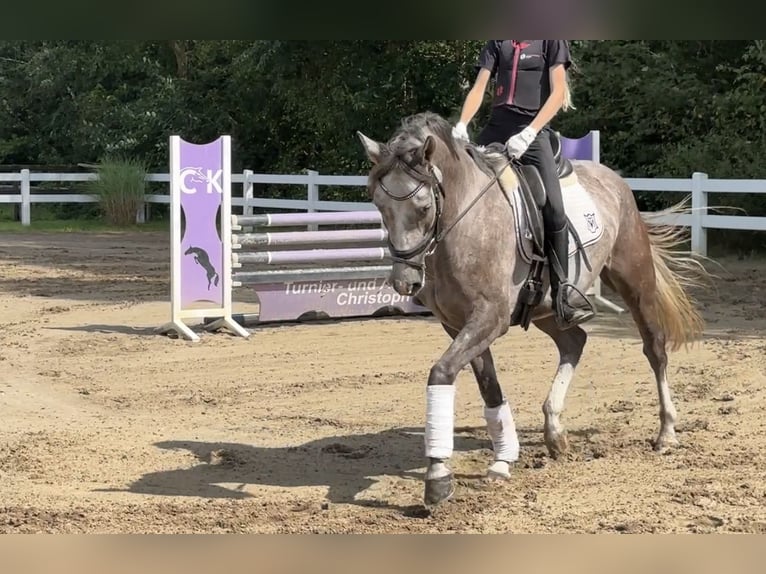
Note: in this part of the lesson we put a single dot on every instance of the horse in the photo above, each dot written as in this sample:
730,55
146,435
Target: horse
463,226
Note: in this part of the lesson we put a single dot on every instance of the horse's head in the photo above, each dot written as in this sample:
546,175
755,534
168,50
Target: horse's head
405,184
196,175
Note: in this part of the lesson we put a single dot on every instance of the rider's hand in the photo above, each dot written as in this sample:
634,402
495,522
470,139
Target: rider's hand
459,132
517,145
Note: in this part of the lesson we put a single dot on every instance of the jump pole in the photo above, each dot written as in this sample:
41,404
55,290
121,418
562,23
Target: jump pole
200,257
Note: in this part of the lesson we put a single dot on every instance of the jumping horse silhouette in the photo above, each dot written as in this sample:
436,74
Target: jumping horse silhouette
202,259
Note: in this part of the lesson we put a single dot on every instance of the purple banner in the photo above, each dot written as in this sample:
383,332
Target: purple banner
201,187
342,298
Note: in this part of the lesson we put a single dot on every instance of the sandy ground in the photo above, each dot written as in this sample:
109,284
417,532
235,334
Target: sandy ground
107,427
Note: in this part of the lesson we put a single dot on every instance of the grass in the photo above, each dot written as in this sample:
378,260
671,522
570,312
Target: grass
79,226
120,186
49,218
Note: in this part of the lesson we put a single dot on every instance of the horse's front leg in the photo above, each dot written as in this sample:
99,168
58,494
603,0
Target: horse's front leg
497,412
471,341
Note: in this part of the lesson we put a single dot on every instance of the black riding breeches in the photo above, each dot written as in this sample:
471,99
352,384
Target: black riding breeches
501,126
540,154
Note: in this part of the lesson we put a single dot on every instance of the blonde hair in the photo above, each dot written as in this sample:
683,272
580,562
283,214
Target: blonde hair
567,105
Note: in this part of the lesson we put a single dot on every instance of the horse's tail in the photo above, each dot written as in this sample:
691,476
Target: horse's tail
675,271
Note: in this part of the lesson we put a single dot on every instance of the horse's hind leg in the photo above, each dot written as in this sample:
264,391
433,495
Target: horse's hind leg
570,344
497,412
640,295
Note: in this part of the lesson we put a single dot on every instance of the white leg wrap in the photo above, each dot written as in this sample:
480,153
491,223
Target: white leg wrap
440,420
502,432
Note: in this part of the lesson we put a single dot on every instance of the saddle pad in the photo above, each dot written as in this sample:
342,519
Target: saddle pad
580,208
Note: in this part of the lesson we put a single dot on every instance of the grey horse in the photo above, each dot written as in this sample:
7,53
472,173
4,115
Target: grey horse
455,224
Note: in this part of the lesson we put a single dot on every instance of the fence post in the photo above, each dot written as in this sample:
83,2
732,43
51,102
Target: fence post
141,213
312,196
699,208
141,210
26,198
596,143
247,192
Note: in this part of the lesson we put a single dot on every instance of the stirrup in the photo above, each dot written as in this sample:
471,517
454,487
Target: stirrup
579,314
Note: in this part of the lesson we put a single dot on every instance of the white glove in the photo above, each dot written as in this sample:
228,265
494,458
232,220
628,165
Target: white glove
459,132
517,145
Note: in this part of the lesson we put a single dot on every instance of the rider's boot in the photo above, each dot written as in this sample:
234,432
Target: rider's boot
567,316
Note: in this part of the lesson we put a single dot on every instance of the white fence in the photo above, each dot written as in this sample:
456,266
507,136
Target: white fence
699,186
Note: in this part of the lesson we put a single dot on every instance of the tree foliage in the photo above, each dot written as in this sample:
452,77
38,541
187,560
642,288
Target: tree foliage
664,108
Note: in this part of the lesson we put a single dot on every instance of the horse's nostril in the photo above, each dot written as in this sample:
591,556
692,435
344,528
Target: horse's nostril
416,287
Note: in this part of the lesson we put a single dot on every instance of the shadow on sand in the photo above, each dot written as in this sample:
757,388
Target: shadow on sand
110,329
346,465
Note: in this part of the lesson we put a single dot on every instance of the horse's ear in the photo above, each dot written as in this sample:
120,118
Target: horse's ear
429,147
373,149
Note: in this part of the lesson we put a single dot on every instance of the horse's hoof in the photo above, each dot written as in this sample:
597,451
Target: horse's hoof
557,444
438,490
665,443
499,470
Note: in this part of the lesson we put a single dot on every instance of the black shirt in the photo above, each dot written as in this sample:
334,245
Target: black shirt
521,70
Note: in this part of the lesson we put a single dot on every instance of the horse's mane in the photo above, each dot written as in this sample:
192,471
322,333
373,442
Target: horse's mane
415,128
486,158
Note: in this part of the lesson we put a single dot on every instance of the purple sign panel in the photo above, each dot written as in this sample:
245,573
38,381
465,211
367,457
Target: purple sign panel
580,148
341,298
201,186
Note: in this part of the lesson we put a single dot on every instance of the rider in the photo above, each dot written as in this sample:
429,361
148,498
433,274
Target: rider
531,86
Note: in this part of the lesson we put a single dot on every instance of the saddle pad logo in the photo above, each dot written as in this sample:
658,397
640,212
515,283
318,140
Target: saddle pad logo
590,222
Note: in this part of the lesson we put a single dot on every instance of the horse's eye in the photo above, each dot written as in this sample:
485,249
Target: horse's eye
423,209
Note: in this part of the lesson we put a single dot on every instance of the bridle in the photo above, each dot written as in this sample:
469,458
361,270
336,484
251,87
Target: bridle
436,232
433,236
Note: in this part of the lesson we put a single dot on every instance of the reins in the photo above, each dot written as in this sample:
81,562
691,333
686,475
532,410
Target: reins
473,201
435,234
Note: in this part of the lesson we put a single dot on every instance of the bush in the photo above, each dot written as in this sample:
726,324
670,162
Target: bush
121,186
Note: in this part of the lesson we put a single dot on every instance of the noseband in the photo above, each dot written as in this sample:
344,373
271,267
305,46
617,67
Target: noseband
435,232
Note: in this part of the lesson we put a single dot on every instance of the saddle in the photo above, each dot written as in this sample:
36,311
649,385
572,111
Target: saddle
532,195
564,167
